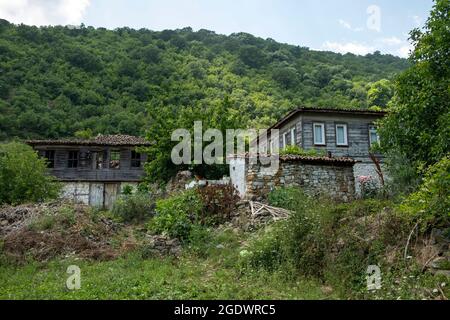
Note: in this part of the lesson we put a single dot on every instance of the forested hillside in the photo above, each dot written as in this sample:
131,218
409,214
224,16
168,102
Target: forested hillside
61,81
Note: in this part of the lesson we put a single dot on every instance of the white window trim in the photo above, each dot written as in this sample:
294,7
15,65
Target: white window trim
371,143
293,136
345,144
284,139
322,126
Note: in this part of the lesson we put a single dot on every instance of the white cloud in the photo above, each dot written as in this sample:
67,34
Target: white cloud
352,47
404,51
348,26
417,20
43,12
391,41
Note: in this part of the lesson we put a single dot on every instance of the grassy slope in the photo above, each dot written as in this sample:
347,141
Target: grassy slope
132,277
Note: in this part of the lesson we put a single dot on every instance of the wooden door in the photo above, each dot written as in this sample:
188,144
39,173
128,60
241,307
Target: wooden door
111,193
96,194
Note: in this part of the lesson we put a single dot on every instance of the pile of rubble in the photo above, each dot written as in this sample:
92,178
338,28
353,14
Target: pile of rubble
160,245
13,218
439,262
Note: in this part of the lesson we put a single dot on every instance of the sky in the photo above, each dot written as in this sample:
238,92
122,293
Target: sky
357,26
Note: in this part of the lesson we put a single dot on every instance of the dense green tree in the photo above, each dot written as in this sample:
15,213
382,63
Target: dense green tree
23,175
380,93
418,126
55,81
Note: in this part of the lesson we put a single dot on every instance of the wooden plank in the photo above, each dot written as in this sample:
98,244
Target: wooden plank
111,193
96,193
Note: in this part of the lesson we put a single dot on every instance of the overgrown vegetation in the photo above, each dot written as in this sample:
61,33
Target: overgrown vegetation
24,176
337,243
134,206
297,151
176,215
61,81
418,124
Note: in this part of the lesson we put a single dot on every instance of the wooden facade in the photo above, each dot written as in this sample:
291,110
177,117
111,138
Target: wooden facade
94,171
93,163
357,126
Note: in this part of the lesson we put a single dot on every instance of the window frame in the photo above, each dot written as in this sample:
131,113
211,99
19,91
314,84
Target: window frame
322,125
285,139
133,160
111,159
73,162
293,139
372,143
50,160
345,126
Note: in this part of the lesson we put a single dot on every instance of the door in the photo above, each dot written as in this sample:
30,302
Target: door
111,192
96,194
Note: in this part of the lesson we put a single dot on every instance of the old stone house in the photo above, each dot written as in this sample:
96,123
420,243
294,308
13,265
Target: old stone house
94,171
345,136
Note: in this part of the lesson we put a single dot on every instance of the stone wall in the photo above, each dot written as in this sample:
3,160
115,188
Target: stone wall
331,180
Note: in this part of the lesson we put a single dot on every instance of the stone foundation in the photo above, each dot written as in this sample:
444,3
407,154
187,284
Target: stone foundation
97,194
316,179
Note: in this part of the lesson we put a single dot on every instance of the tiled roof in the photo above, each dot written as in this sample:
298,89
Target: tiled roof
319,159
307,159
327,110
100,140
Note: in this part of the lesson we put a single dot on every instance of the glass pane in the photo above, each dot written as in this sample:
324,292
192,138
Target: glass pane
114,161
318,134
340,135
373,137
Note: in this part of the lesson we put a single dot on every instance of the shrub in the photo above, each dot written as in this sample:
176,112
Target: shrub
298,242
296,150
219,203
64,218
369,187
176,215
290,198
431,203
134,207
24,176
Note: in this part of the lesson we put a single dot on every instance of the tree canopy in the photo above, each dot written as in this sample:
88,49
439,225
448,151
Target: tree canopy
61,81
418,125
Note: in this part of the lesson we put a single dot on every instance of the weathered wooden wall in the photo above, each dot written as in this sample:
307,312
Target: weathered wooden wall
87,171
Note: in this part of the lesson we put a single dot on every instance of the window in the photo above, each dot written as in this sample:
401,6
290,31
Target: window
114,159
73,159
293,136
99,159
50,156
135,159
373,136
341,135
319,134
285,140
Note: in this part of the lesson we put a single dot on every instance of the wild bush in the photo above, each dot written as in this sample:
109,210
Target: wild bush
176,215
219,203
134,207
24,176
296,150
290,198
334,242
431,203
